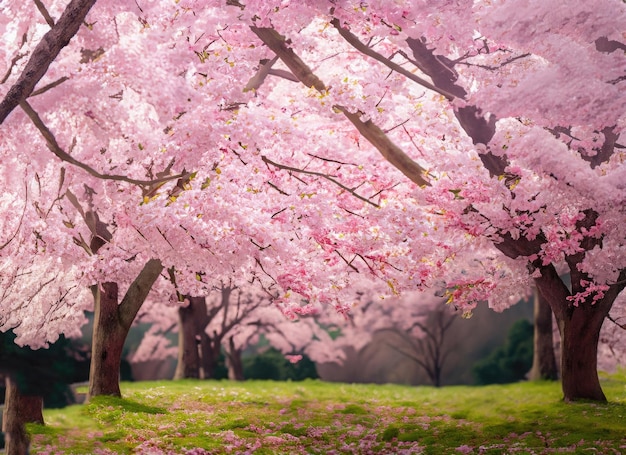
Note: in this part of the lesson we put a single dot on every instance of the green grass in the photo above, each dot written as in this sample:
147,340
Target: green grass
314,417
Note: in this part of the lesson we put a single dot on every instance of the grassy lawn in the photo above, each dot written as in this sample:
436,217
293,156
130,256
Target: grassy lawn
313,417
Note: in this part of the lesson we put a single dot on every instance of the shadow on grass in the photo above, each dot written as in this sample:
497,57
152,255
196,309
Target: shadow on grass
123,404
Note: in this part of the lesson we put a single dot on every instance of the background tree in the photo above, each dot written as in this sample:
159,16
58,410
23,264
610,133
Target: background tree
427,342
544,359
234,317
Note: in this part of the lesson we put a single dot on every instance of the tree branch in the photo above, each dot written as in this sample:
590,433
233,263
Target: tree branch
138,291
44,12
44,54
17,230
358,45
368,129
64,156
49,86
319,174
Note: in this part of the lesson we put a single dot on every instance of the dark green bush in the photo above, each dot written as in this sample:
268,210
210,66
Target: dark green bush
45,372
510,362
272,364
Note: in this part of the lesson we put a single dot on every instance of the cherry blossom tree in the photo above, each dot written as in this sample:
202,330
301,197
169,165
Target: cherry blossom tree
417,325
309,143
506,90
232,317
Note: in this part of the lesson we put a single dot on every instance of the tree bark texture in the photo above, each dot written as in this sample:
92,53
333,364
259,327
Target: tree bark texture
188,365
544,361
18,410
580,332
107,343
234,362
194,345
44,54
111,325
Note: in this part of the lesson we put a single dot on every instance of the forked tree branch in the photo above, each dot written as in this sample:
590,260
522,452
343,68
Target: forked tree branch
318,174
367,128
44,54
359,46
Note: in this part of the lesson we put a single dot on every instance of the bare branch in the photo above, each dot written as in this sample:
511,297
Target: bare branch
51,85
503,64
44,54
284,74
358,45
319,174
329,160
614,321
14,60
44,12
392,153
349,264
64,156
259,77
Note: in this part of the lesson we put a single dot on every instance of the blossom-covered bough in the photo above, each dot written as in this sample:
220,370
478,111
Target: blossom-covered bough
304,144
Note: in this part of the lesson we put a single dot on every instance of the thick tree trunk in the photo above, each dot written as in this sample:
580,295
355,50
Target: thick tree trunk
188,365
544,360
579,327
107,343
18,410
235,364
580,333
111,325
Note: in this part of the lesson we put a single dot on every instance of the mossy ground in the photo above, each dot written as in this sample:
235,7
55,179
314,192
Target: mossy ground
314,417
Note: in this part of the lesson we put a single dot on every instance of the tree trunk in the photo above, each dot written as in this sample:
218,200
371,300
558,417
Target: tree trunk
235,364
580,333
206,356
18,410
111,325
188,365
579,327
544,361
107,343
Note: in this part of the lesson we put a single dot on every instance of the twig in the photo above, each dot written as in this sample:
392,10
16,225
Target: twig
14,60
319,174
3,246
621,326
45,88
349,264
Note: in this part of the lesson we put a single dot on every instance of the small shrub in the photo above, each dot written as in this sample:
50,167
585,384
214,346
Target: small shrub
272,364
510,362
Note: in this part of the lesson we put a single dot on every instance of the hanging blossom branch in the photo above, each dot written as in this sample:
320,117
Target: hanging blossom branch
64,156
44,54
368,129
319,174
